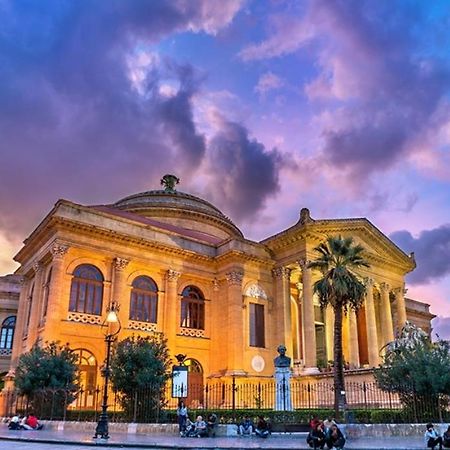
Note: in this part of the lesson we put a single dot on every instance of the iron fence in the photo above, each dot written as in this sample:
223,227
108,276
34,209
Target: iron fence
366,401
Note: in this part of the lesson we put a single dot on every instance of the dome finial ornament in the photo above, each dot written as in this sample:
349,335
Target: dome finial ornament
169,182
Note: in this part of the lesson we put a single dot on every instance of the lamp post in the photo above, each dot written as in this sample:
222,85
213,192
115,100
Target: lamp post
112,326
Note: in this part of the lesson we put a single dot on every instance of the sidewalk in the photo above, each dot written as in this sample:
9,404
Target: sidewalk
280,441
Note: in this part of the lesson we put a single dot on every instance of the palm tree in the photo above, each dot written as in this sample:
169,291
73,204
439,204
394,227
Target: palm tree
341,289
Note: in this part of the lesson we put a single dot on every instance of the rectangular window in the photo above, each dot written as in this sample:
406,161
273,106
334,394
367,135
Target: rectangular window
256,325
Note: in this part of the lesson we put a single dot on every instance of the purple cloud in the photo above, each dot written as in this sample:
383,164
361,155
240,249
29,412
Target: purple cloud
441,327
432,252
380,78
251,171
75,120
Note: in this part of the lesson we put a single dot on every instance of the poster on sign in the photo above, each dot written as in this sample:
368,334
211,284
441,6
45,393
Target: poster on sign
179,381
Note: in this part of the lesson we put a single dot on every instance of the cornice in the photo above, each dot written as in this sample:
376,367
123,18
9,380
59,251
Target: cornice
242,257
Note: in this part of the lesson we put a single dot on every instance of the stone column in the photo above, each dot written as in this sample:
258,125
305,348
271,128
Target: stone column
386,315
172,309
57,307
36,303
401,307
329,332
283,307
309,327
372,337
18,332
118,288
235,323
353,348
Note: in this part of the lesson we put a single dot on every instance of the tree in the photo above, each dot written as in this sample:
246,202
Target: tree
48,377
417,369
340,288
140,368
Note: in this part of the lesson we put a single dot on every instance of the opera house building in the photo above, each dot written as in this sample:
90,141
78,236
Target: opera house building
178,266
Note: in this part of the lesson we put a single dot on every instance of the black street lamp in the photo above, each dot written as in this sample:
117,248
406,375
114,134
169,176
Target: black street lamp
112,327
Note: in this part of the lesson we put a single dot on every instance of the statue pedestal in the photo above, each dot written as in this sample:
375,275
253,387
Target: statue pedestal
283,389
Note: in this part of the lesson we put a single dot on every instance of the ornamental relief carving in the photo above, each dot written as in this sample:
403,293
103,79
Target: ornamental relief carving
59,250
281,272
256,291
142,326
173,275
216,285
192,332
120,263
84,318
303,263
234,278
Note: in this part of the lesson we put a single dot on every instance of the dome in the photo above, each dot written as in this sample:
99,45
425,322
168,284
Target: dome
181,209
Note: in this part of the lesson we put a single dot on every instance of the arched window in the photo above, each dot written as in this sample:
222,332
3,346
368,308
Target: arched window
144,300
7,332
46,295
86,292
193,308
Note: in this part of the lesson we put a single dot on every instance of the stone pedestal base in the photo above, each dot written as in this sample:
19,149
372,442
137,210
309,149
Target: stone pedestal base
283,400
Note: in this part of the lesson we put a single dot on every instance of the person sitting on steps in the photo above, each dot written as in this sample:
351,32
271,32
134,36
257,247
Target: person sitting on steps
432,437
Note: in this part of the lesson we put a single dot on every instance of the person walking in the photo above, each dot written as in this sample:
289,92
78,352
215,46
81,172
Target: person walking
182,413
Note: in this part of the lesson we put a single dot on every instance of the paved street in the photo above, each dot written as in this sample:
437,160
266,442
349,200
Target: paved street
80,440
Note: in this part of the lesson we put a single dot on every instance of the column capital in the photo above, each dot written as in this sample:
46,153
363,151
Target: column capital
234,278
369,282
303,263
216,284
172,275
37,266
385,287
120,263
58,250
281,272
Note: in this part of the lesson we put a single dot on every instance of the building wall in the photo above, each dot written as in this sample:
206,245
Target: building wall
9,298
231,276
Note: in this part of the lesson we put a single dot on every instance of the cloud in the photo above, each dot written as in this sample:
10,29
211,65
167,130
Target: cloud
88,108
379,75
441,327
268,82
251,171
432,252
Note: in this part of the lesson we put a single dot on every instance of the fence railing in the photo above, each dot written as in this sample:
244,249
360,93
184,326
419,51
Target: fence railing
149,404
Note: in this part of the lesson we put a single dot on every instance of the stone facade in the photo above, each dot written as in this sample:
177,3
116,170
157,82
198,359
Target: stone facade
178,266
10,286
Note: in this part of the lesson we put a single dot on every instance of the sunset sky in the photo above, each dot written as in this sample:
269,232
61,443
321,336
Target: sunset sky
261,107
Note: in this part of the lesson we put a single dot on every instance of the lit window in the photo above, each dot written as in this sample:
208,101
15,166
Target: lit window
7,332
193,308
144,300
86,292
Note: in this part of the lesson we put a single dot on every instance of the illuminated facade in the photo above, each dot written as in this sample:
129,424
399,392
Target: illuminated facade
10,286
177,265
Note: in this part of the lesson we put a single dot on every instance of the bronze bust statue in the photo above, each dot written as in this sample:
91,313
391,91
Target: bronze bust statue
282,360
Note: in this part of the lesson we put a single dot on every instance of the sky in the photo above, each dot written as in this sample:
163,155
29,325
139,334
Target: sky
261,107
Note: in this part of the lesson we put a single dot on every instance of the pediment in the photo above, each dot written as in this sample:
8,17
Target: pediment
378,246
